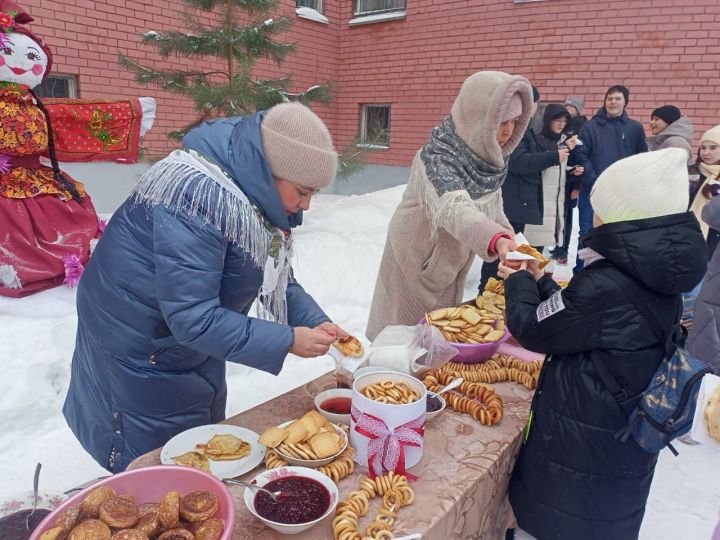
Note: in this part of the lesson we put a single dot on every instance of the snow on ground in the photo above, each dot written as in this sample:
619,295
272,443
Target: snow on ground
338,252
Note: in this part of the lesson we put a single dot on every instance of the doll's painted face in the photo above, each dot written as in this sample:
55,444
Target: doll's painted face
22,60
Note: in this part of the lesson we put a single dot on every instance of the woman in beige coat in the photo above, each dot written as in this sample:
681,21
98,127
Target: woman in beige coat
452,208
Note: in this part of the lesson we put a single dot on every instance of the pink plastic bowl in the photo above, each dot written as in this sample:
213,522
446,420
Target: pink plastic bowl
150,485
475,353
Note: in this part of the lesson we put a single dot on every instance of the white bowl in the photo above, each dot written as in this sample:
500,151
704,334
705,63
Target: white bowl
369,369
335,418
282,472
429,415
313,463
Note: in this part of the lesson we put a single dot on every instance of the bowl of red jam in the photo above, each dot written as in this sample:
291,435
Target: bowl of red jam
306,498
434,405
335,405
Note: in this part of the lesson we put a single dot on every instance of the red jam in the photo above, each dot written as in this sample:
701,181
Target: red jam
337,405
301,500
433,403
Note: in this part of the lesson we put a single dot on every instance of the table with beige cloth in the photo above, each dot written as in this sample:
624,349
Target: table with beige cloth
461,490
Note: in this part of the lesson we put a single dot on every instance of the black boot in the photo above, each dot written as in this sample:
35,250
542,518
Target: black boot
510,534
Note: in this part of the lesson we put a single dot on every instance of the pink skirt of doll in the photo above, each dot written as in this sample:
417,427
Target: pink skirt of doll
38,236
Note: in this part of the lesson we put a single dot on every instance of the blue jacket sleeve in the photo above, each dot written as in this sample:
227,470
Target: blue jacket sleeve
584,151
302,308
189,262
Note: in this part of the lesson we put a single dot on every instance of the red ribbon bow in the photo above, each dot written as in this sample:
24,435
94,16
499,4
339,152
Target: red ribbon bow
385,449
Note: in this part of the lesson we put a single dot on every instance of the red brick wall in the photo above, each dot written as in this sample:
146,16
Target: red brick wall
665,51
87,35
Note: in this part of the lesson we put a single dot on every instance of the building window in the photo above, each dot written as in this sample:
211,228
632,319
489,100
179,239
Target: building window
371,7
317,5
375,126
58,86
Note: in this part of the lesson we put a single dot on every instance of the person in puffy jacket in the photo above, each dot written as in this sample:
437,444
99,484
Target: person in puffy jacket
707,186
704,338
670,129
610,135
165,300
573,479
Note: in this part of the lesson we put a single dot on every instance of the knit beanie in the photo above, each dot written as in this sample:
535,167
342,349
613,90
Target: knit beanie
712,135
576,102
618,88
298,147
667,113
647,185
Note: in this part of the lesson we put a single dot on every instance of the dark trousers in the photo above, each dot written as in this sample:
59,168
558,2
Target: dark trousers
489,269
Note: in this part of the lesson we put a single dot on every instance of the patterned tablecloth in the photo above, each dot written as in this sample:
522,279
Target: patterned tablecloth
461,492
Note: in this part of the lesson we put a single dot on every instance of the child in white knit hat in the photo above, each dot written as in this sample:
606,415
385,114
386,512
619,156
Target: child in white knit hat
573,478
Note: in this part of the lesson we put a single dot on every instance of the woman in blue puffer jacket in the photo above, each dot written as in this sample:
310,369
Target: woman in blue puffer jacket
164,301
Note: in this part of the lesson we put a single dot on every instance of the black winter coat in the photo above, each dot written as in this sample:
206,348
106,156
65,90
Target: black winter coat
522,191
573,480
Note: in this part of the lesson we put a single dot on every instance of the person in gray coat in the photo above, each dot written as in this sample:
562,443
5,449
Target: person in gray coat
704,339
670,129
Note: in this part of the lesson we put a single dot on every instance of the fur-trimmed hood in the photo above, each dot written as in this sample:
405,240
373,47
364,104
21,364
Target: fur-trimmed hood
478,110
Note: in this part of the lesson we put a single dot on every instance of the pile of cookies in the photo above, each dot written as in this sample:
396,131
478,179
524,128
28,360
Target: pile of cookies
310,437
336,470
496,286
478,400
395,493
469,324
499,368
103,515
222,447
712,415
392,392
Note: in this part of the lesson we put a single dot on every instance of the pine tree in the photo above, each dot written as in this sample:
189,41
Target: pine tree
224,86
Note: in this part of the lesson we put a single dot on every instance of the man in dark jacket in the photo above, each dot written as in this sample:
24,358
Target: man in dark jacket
610,135
573,479
165,299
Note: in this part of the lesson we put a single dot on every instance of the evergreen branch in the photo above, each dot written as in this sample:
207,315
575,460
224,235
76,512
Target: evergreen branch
178,82
253,6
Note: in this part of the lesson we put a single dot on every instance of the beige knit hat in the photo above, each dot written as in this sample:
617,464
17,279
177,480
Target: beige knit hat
298,147
480,107
647,185
712,135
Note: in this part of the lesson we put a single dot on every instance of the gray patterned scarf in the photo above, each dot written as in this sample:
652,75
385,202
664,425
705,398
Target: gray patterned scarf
451,166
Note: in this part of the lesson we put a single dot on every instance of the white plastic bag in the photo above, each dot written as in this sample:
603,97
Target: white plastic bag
411,349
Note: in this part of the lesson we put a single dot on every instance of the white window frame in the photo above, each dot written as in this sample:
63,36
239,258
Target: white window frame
357,12
364,125
318,5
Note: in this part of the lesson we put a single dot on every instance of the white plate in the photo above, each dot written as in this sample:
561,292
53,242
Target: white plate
186,441
699,430
313,463
48,500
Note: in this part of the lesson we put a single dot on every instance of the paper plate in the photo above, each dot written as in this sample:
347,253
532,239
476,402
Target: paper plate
186,441
699,430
